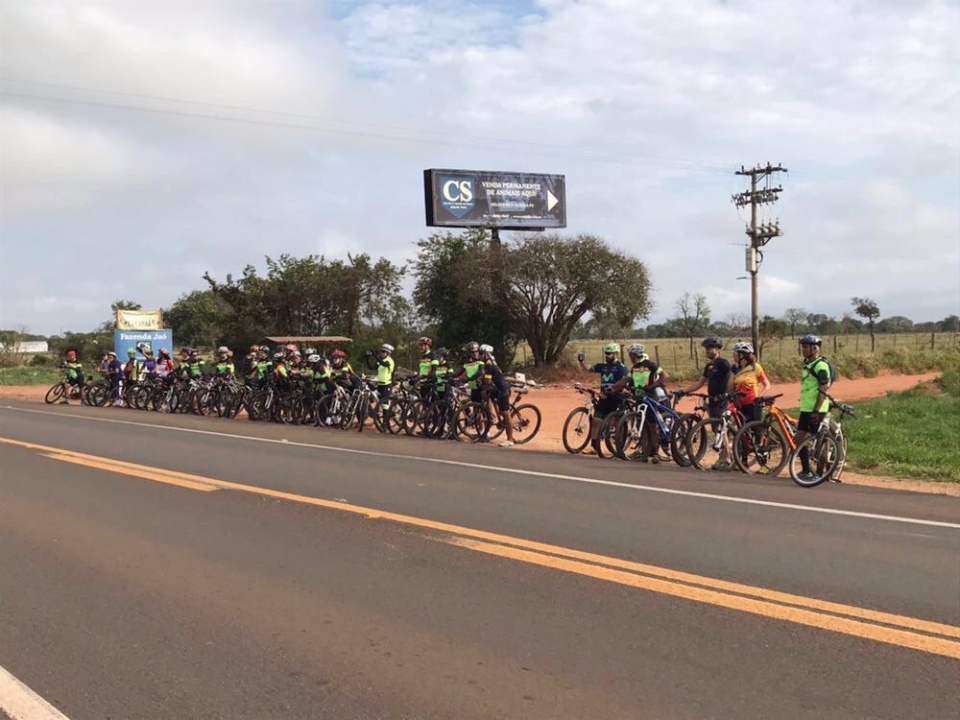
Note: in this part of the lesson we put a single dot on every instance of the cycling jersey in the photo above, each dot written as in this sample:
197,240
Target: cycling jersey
225,367
747,379
643,374
385,366
812,375
609,372
427,363
472,371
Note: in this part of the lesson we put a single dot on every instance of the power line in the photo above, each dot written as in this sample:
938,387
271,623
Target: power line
388,132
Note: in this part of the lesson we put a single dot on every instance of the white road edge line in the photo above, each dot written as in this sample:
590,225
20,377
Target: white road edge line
21,703
515,471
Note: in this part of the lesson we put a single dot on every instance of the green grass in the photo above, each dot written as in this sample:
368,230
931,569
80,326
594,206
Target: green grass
29,376
911,434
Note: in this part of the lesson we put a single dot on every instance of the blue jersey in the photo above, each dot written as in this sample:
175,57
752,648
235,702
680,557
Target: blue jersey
610,372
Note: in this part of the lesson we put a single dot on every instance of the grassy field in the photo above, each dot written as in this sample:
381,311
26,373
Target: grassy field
850,354
29,376
910,434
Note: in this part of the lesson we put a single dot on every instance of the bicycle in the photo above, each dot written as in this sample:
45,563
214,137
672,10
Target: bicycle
826,449
64,390
762,447
634,433
706,439
525,418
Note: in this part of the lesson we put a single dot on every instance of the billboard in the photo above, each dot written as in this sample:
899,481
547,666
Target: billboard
507,200
139,320
151,340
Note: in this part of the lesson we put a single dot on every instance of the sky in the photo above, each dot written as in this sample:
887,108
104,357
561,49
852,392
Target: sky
143,144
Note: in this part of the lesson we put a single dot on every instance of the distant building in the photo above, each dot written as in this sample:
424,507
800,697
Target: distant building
28,347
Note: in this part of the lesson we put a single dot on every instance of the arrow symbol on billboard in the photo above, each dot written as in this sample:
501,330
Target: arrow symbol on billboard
551,201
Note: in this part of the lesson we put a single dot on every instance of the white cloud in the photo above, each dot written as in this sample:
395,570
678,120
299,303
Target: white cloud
234,130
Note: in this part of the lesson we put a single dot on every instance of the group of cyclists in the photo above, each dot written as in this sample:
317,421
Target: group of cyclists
743,380
288,366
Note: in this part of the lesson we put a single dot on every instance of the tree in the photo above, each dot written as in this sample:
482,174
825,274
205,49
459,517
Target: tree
455,291
794,317
111,324
554,282
771,330
694,315
895,324
951,323
739,323
867,308
199,318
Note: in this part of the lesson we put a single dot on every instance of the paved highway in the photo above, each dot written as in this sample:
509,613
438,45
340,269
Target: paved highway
176,567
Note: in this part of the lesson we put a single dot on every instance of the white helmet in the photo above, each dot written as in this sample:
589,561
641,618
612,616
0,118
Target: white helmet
223,349
387,347
488,349
636,350
313,358
743,347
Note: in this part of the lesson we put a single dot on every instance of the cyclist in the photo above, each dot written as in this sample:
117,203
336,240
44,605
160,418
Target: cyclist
385,365
194,364
425,366
611,371
115,373
74,375
814,383
646,377
494,379
164,363
716,376
281,373
131,369
341,370
225,366
750,379
472,372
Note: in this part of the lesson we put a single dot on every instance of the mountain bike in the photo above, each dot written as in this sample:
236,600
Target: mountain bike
762,447
826,449
707,439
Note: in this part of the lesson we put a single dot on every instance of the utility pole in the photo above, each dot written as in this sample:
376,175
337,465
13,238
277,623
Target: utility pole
759,234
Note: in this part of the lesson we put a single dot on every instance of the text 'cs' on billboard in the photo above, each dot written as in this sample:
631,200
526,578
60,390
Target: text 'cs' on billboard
494,199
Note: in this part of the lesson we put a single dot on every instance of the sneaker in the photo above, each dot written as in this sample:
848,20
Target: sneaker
763,470
655,459
588,451
483,439
507,443
806,476
64,402
721,466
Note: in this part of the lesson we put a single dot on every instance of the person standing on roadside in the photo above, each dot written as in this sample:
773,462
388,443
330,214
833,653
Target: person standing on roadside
611,371
716,376
814,383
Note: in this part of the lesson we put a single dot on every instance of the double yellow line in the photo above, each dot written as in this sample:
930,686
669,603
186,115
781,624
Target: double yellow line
916,634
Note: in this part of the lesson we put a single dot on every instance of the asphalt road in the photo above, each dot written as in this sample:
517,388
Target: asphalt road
177,567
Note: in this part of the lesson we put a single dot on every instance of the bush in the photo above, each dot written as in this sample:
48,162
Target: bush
40,361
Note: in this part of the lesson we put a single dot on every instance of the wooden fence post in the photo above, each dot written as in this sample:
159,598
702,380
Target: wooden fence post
656,353
933,338
675,357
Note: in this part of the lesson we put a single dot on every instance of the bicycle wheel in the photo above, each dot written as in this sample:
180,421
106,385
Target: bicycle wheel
842,461
471,421
678,438
823,454
54,393
525,420
330,411
393,417
576,430
629,437
608,433
760,449
705,441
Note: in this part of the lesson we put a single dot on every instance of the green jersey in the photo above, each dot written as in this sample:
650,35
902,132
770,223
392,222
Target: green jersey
812,375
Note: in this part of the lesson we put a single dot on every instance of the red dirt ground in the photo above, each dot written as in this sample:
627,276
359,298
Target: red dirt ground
556,401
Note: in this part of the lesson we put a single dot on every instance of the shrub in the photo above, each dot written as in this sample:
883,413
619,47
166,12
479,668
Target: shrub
40,361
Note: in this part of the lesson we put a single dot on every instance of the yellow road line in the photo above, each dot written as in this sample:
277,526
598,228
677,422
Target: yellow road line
884,627
145,474
810,618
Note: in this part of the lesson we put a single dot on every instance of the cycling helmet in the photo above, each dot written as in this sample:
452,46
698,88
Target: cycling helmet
254,348
486,349
611,348
713,342
811,340
636,350
71,354
164,351
313,358
387,347
278,356
473,346
131,351
743,347
223,349
111,353
443,352
338,355
193,351
290,347
425,341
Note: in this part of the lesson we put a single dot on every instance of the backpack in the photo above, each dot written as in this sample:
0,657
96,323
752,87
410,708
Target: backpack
831,370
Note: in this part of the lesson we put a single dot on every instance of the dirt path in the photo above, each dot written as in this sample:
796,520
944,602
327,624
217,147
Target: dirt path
555,404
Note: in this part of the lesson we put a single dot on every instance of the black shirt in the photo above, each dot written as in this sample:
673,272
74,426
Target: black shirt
717,372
